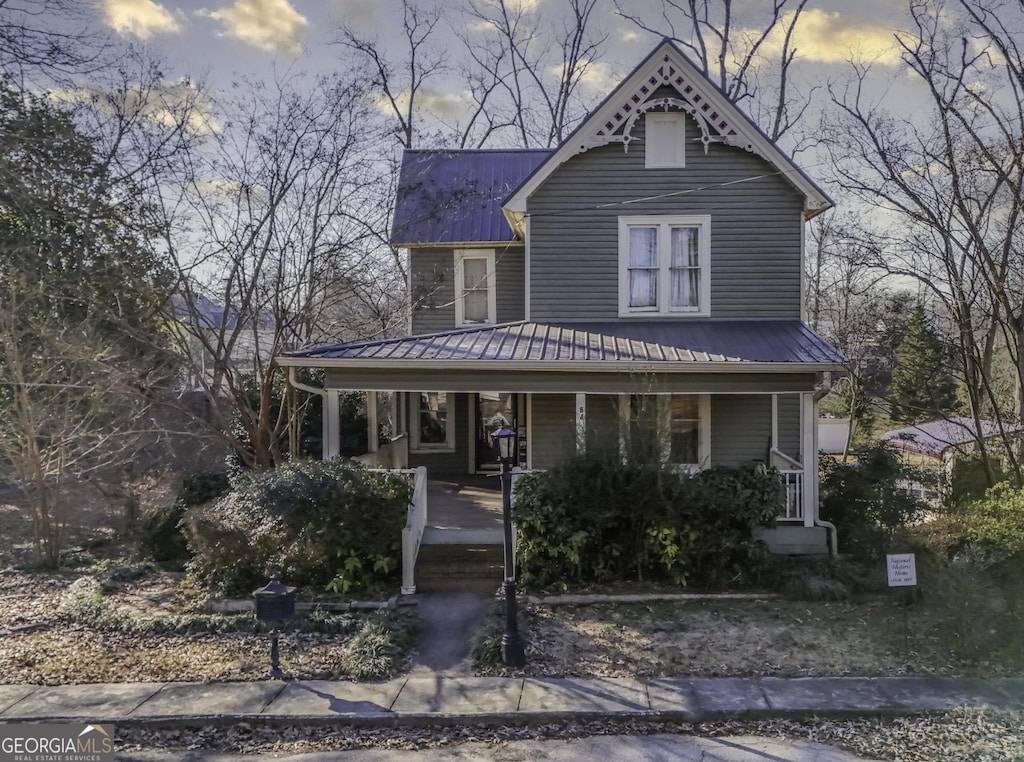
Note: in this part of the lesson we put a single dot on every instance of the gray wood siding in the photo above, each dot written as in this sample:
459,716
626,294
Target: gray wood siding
602,421
553,435
432,274
510,283
756,229
741,428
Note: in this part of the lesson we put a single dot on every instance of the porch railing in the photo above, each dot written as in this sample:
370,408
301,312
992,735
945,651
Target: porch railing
393,454
794,484
412,533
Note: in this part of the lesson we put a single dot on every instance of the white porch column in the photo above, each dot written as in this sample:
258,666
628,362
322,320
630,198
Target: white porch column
332,424
581,423
809,456
372,429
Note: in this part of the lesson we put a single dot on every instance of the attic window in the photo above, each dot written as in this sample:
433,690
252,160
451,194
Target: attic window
665,140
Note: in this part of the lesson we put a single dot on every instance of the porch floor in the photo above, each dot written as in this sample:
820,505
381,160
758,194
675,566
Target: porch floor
463,509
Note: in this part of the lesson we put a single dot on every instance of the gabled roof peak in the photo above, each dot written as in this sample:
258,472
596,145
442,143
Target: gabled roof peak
719,120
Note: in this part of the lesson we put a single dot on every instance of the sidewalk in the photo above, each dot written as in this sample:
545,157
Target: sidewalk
457,700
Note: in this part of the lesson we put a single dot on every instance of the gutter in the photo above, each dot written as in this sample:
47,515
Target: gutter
294,381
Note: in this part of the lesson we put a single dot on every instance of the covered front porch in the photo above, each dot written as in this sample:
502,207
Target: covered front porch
708,392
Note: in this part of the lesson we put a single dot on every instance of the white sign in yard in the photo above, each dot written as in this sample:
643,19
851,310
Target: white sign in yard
901,569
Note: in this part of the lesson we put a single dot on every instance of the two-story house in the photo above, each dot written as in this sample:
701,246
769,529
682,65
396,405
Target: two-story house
644,275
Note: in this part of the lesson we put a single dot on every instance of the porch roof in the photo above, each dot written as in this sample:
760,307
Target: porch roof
679,345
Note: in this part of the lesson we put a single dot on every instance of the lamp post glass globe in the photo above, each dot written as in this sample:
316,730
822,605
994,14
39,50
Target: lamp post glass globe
506,438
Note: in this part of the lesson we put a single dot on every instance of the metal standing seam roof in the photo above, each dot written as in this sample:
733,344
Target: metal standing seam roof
653,342
455,196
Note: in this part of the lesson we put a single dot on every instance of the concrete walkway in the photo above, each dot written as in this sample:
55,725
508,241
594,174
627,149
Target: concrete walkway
438,699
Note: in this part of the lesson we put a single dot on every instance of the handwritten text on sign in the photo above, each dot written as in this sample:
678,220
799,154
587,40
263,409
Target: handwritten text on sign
902,570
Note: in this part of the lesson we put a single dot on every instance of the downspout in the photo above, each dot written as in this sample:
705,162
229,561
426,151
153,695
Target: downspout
833,535
325,432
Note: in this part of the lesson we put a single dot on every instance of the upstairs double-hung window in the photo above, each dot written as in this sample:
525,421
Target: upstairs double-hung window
664,265
475,302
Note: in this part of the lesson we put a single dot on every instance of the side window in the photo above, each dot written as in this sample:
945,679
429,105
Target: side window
665,140
475,301
664,265
433,427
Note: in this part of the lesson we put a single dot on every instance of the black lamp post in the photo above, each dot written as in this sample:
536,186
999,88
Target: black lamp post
275,602
513,650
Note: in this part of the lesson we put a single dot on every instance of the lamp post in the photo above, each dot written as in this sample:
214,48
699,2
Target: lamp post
513,650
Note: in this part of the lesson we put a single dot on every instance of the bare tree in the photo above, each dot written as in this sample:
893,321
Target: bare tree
947,184
528,69
402,82
752,65
273,240
48,40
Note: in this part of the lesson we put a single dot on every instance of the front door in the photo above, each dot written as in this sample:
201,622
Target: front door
492,411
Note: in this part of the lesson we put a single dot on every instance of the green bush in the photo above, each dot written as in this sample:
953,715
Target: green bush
597,518
328,524
162,537
380,648
995,525
865,501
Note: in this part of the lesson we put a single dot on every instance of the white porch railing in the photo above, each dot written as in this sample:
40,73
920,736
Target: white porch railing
391,455
794,484
412,533
792,472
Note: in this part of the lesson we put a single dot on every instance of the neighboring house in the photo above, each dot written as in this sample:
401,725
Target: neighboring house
643,277
948,440
239,342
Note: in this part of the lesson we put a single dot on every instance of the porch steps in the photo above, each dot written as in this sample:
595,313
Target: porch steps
459,567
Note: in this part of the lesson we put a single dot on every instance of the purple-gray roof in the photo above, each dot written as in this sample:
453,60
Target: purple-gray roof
456,196
935,437
690,341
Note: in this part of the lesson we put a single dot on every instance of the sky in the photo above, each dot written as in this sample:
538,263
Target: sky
217,41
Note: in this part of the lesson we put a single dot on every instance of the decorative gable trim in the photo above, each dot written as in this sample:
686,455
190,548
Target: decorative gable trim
719,121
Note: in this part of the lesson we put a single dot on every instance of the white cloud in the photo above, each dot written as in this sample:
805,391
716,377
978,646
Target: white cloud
271,25
599,77
445,106
163,105
831,37
142,18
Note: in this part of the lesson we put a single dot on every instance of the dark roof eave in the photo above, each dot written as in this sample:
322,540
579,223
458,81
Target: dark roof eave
559,366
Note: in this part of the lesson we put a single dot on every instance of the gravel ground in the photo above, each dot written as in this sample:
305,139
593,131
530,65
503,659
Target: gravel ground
958,736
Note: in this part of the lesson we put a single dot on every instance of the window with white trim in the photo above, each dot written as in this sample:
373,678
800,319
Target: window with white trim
671,428
664,265
475,301
433,428
664,139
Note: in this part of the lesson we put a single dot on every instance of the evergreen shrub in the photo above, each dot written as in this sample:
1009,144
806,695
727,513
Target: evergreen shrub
866,501
596,518
329,524
162,537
